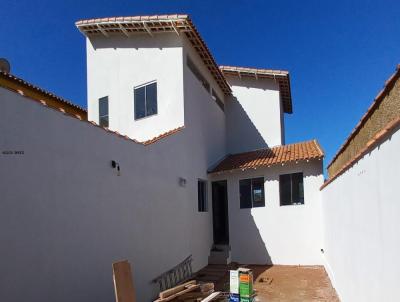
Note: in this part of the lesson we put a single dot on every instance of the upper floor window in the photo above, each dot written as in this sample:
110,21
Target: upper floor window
291,189
202,195
103,111
252,193
193,68
145,100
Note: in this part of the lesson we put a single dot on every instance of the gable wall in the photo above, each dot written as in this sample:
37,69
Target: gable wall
116,64
254,115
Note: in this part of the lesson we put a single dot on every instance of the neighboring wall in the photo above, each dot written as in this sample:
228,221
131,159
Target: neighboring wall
276,234
116,64
361,221
384,109
65,214
254,114
361,205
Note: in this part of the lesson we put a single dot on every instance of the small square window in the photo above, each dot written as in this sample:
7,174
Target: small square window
252,193
202,194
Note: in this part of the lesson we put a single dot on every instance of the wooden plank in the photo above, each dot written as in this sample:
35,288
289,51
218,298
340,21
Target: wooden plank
170,298
176,289
211,297
193,295
123,283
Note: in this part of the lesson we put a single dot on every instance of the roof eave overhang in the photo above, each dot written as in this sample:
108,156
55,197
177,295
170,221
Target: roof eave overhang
280,76
179,24
289,162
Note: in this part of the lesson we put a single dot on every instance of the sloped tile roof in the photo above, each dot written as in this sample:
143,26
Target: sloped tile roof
47,99
180,24
14,83
271,156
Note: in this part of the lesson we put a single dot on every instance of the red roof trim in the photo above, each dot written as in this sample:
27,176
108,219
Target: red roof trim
302,151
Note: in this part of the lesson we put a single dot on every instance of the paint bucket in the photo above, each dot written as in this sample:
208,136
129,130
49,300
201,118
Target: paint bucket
234,282
245,283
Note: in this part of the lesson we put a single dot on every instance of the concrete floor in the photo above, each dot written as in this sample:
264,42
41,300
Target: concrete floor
278,282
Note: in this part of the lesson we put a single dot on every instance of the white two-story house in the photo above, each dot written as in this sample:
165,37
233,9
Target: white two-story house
149,75
181,157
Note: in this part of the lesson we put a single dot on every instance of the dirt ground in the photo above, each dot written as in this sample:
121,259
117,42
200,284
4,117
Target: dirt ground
278,282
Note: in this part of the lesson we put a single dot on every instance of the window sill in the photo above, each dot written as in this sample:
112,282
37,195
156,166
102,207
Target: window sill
145,117
292,204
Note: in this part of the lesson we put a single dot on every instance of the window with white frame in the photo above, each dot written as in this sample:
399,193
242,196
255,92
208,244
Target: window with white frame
145,98
202,195
291,189
252,193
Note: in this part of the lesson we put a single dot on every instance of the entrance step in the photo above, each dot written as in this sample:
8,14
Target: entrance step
219,254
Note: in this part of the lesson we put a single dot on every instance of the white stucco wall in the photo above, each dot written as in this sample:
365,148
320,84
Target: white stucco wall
361,226
205,125
276,234
253,115
117,64
65,215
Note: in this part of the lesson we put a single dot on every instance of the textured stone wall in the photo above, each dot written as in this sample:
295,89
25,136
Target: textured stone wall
387,110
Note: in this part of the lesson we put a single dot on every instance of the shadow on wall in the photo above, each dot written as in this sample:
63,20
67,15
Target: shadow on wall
249,244
241,132
141,41
259,234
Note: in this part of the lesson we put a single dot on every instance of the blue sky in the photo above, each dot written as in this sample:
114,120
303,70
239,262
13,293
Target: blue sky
339,53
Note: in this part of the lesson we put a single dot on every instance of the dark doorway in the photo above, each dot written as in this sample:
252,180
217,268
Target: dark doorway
220,212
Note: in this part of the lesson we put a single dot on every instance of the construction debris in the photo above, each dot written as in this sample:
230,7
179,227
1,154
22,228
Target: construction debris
266,280
190,292
177,275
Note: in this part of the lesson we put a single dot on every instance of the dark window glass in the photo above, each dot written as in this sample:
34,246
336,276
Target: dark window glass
291,189
245,193
297,188
257,188
140,102
252,193
202,195
285,189
103,111
145,100
151,99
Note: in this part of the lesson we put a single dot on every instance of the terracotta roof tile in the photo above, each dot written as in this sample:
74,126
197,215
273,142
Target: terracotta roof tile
271,156
65,107
11,82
